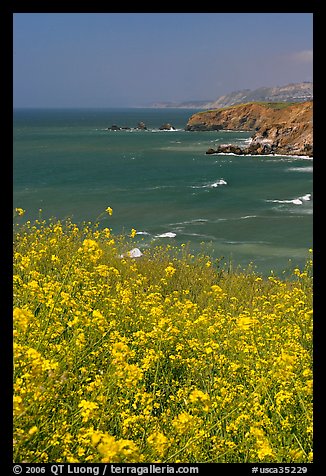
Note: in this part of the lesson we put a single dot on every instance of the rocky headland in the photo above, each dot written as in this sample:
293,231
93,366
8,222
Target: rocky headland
278,128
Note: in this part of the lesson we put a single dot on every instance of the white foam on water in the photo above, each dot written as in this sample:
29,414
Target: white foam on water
169,234
289,157
211,185
232,130
295,201
246,141
201,235
248,242
195,221
166,130
300,169
142,233
230,153
219,182
306,197
283,157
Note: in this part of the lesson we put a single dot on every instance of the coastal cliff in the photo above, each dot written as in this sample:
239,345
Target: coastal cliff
282,128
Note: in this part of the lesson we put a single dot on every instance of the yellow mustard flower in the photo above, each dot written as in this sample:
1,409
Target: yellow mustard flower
20,211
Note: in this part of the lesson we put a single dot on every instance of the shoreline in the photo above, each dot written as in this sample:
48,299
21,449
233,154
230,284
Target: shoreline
294,156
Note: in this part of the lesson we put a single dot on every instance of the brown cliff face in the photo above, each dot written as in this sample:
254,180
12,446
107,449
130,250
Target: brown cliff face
279,127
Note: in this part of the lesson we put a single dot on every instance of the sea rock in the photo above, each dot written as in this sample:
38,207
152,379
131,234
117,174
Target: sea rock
211,151
114,127
166,127
142,126
226,149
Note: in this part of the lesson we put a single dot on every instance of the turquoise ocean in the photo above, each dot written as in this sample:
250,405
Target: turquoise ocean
243,208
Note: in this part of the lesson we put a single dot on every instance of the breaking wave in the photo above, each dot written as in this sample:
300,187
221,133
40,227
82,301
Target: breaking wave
295,201
211,185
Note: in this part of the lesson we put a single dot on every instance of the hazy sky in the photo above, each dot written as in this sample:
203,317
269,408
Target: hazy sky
135,59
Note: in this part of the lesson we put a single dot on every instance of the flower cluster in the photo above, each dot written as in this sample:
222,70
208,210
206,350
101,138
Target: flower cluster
156,359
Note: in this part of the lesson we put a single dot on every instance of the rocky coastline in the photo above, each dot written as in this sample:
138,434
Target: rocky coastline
285,128
277,128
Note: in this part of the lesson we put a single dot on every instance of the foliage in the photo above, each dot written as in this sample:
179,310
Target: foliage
269,105
163,358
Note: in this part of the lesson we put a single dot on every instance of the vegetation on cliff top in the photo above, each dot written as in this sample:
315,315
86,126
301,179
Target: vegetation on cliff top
270,105
165,358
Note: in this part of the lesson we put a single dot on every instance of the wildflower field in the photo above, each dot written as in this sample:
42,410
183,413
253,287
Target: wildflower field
162,358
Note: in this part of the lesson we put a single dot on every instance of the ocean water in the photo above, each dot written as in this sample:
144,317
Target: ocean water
242,208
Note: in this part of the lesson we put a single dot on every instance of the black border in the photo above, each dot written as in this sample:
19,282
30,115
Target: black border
7,10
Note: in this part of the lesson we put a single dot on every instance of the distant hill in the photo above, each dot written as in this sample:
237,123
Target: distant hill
181,105
294,92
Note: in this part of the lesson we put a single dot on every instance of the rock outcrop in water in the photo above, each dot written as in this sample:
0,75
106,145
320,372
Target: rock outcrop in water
280,128
114,127
140,126
166,127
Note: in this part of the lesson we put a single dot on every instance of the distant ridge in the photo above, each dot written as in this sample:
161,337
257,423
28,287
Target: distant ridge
181,105
293,92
